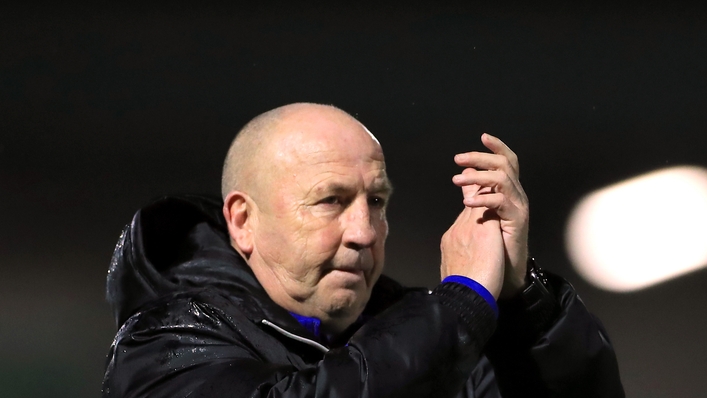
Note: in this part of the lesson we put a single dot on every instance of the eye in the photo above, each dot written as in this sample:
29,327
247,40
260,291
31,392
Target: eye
330,200
376,201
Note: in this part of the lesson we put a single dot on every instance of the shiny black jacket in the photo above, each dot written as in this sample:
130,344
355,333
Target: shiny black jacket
196,323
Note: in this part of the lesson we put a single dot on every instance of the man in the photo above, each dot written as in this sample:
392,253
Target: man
278,291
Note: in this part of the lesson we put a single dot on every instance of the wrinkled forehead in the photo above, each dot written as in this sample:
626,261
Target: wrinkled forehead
321,140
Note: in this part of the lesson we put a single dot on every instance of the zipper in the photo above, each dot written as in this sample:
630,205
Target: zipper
293,336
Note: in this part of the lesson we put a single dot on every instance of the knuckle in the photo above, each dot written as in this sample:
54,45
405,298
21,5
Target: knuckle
446,237
512,157
508,181
507,164
524,209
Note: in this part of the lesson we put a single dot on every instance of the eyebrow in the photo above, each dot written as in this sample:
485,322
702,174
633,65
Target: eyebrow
383,187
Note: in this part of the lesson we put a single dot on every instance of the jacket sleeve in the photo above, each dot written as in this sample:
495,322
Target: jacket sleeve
571,357
425,345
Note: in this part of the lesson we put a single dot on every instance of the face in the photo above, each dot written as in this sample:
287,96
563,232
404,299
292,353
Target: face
320,230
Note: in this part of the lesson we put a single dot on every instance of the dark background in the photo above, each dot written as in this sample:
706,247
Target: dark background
104,107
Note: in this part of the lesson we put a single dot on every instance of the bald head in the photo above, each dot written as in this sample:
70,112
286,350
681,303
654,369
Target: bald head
249,161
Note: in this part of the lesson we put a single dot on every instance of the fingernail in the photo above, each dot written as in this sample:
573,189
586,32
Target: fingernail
459,157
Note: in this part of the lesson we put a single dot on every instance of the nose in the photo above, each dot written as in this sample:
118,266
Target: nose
359,230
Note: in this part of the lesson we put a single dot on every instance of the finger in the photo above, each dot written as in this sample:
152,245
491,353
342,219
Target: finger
498,202
470,190
497,181
491,200
485,161
486,178
500,148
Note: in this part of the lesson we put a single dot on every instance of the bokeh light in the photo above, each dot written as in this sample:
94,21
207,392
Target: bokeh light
642,231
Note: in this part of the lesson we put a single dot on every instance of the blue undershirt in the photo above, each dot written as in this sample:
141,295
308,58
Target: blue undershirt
311,324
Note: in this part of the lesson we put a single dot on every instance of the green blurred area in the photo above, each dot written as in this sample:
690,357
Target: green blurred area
51,378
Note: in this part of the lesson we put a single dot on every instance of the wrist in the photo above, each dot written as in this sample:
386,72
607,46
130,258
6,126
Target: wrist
514,287
516,279
535,307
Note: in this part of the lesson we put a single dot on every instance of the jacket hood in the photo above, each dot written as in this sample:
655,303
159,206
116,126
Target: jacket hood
174,244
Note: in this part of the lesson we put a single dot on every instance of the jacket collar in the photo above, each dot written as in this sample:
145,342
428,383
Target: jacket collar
180,243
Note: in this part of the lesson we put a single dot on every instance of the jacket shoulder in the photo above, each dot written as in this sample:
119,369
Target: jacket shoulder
174,344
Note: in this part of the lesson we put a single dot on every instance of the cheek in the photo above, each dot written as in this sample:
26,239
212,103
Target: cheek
312,242
319,233
322,243
279,238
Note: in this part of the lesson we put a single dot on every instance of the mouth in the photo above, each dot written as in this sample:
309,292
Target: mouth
348,275
352,271
355,271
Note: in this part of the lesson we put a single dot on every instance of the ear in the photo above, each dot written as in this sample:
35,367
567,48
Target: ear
238,209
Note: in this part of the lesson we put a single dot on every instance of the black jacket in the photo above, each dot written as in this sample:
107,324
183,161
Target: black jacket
196,323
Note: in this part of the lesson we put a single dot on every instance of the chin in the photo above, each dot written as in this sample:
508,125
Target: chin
346,302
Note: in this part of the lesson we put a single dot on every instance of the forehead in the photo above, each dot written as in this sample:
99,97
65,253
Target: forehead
336,148
322,130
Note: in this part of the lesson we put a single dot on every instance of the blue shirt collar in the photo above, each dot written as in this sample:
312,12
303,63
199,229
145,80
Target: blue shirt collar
311,324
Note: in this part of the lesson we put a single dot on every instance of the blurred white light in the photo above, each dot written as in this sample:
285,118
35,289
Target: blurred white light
642,231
